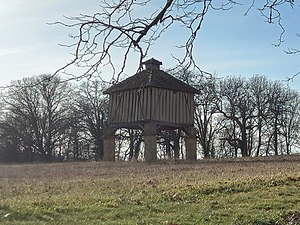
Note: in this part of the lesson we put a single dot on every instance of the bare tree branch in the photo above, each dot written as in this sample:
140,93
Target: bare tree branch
125,28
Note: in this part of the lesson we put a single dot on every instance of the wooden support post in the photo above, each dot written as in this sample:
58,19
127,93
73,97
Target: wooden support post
191,144
109,144
150,132
176,138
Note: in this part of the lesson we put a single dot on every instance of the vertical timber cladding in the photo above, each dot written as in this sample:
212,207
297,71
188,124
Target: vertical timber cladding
152,104
170,106
130,106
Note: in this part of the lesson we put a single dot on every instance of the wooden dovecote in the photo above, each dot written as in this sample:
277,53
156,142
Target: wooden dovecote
149,100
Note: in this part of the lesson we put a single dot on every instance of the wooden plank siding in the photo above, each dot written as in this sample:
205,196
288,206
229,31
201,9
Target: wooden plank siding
151,104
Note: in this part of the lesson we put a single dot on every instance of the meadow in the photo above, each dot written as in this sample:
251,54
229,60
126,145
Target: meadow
228,191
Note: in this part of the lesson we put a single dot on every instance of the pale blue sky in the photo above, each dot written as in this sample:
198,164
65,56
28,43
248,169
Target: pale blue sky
228,44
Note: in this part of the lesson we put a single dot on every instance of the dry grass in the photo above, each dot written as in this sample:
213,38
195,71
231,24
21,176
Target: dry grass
37,193
202,170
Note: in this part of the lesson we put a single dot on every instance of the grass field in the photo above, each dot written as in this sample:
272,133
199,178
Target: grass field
241,191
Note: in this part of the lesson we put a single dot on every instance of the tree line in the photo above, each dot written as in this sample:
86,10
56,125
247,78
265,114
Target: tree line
246,117
46,119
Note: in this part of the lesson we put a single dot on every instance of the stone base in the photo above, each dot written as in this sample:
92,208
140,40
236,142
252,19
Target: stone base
150,142
191,144
109,144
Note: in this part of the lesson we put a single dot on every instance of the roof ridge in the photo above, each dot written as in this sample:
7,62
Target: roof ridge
151,78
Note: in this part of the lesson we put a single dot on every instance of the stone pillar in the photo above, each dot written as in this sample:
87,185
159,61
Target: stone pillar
150,142
109,144
191,144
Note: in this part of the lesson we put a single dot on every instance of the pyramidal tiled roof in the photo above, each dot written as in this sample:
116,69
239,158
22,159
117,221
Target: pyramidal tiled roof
152,76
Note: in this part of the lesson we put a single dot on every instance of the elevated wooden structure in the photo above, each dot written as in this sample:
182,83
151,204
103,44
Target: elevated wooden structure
150,100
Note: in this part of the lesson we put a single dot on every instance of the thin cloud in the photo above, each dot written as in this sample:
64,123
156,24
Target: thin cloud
9,51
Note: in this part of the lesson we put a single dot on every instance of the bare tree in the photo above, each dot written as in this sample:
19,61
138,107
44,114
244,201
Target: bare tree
92,105
78,142
125,27
258,114
170,144
11,141
290,121
206,114
228,145
206,118
259,90
236,106
39,111
129,142
135,140
283,119
276,109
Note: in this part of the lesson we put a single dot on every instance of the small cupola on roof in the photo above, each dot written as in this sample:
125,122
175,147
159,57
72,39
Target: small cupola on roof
151,76
152,64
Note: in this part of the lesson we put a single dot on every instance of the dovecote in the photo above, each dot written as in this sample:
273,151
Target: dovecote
151,99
